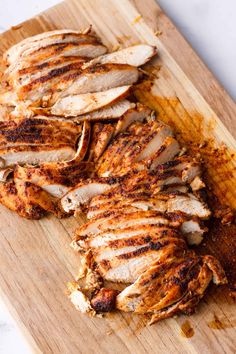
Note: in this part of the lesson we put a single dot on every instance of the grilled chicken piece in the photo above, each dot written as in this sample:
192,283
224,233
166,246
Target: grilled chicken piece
84,191
188,204
71,80
171,287
140,184
80,300
122,255
26,75
100,138
56,178
164,202
42,40
104,300
141,143
73,106
31,194
28,200
136,55
110,112
83,142
9,198
125,217
137,114
37,140
53,52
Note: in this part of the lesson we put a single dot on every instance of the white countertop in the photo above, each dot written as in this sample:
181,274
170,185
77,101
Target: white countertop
210,27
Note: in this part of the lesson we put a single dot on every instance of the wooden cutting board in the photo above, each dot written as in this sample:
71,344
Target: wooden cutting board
36,260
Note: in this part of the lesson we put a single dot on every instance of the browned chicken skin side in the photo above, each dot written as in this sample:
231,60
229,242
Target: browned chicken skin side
71,141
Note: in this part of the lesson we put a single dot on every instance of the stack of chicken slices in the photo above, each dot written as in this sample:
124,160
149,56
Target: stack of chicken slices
71,140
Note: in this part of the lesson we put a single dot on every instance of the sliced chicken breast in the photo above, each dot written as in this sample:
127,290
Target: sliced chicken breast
168,202
37,140
72,106
137,114
120,219
55,178
101,136
85,191
70,80
53,52
136,55
113,111
141,143
83,143
42,40
169,288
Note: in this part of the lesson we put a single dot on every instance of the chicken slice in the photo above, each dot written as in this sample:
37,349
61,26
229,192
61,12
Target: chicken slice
27,200
28,74
137,114
80,104
83,142
105,238
87,49
136,55
9,198
84,191
37,140
80,300
122,255
38,131
55,178
171,202
41,40
174,286
32,154
125,218
113,111
70,80
138,144
164,202
100,138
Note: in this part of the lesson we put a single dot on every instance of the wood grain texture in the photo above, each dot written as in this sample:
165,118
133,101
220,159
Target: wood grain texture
36,259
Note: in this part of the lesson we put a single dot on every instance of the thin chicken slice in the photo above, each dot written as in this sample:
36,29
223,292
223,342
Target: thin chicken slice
55,178
138,144
171,287
85,191
137,114
88,49
37,140
110,112
28,200
42,40
164,202
120,219
80,104
136,55
70,80
100,138
83,142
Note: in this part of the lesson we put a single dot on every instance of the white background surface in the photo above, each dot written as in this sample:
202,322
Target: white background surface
210,27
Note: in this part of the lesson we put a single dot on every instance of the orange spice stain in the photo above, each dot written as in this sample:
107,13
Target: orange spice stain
187,330
137,19
193,131
220,324
130,323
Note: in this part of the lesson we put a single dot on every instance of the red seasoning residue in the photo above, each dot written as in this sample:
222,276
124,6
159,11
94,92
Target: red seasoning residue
187,330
